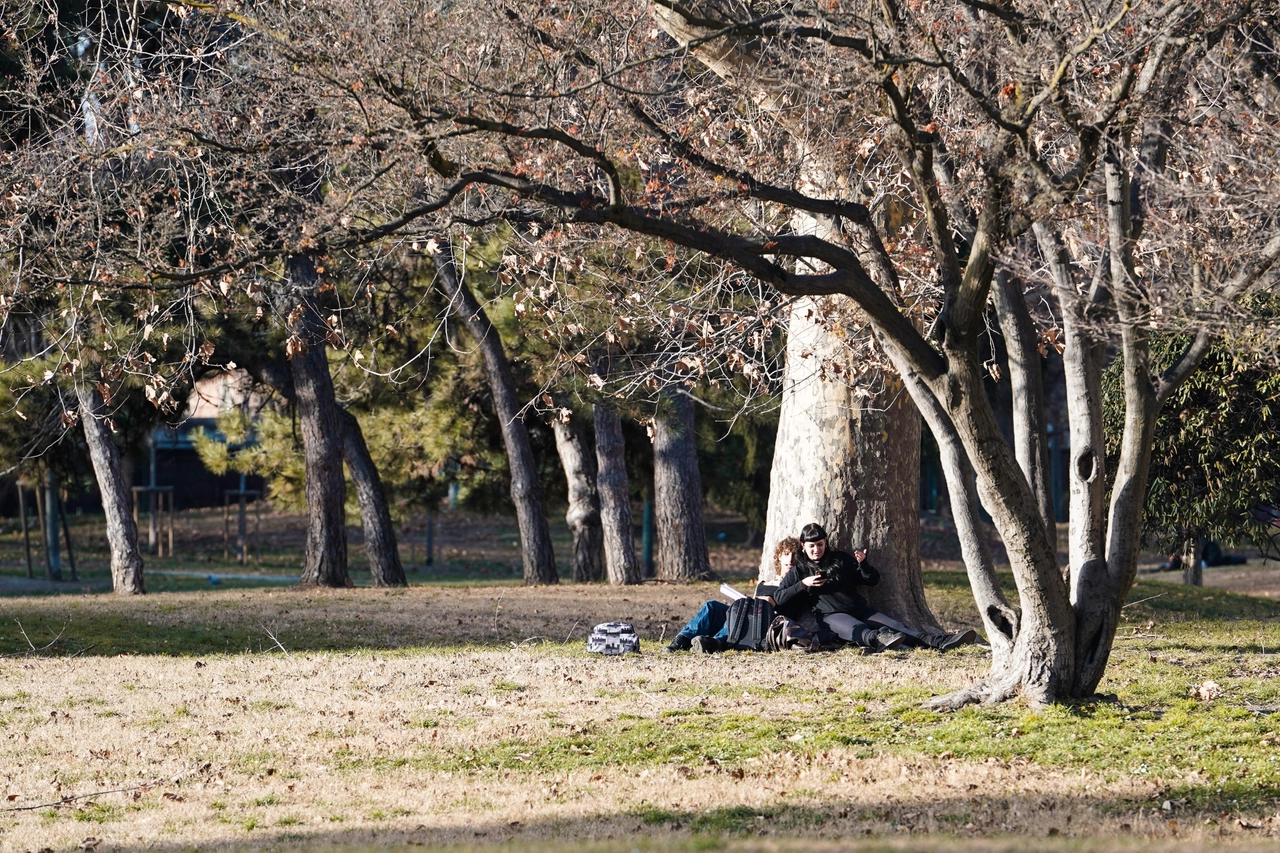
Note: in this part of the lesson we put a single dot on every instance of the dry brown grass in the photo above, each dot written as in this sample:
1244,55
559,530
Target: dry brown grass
310,747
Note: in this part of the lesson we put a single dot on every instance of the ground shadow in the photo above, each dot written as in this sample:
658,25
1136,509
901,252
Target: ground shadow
950,821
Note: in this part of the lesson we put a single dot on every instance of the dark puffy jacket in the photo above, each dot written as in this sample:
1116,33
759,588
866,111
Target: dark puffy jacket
840,595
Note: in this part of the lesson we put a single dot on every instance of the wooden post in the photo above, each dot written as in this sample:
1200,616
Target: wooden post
226,526
66,532
430,543
26,534
40,516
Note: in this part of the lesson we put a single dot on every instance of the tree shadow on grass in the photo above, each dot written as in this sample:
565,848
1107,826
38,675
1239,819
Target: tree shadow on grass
949,822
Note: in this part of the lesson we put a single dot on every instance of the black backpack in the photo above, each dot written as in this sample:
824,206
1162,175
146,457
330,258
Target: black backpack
748,624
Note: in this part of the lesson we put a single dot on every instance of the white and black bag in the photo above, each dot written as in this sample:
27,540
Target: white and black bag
613,638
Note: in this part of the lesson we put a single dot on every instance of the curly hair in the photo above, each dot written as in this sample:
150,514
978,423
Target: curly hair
790,545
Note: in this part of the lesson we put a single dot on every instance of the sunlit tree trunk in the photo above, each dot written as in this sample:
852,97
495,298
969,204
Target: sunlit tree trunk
122,533
583,516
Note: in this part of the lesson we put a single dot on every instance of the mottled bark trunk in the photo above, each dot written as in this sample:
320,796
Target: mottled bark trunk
526,490
122,534
849,462
325,556
375,516
583,516
681,552
615,498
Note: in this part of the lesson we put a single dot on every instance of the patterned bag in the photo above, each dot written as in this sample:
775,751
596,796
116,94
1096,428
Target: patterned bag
613,638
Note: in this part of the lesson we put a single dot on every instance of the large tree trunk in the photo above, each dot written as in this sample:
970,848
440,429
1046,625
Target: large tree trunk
583,516
325,557
122,534
849,462
681,553
615,498
379,533
526,490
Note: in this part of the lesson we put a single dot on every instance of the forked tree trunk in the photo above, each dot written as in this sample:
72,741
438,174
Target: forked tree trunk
122,533
583,517
681,552
325,557
375,516
526,490
381,544
615,498
850,463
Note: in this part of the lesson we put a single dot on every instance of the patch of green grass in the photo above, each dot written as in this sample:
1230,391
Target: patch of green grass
94,812
509,687
730,820
271,800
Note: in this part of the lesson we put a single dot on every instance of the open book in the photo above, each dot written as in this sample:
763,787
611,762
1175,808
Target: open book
730,593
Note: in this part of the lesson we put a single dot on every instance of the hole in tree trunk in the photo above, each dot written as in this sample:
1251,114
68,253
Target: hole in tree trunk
1086,464
1000,621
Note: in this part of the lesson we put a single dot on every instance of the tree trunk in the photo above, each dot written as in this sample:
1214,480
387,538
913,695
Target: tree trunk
615,498
122,533
1030,438
681,552
375,516
526,490
1193,561
998,618
325,557
850,463
583,516
380,540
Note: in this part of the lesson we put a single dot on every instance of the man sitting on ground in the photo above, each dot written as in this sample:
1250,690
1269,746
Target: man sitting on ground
821,594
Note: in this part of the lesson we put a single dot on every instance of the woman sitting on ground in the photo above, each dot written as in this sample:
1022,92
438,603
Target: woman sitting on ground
821,594
708,629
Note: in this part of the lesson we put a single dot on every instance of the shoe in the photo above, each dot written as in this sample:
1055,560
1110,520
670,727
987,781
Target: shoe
959,638
681,643
705,645
887,640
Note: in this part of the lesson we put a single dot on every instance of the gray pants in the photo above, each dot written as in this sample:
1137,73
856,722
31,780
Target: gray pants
851,629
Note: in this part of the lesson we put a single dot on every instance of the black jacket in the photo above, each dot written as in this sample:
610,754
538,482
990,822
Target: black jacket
840,595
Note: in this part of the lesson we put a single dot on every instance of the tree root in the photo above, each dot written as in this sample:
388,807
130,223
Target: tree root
988,691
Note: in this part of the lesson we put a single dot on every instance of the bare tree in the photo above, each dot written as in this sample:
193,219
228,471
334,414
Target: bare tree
526,489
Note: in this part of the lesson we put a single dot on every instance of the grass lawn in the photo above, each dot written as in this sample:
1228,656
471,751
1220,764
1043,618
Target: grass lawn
470,714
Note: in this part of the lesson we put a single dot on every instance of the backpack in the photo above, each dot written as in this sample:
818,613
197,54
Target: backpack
784,634
613,638
748,624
